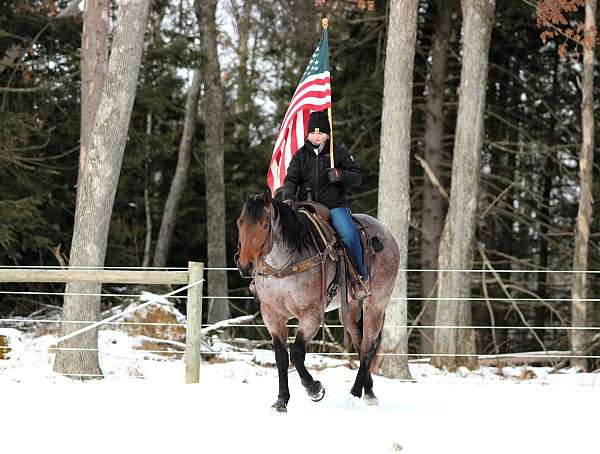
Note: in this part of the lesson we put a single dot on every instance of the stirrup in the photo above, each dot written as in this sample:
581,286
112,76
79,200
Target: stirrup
361,289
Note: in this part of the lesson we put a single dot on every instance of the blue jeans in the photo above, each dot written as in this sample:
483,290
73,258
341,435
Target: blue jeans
341,220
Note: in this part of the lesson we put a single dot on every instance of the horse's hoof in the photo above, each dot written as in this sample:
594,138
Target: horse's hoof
371,399
280,406
356,392
316,391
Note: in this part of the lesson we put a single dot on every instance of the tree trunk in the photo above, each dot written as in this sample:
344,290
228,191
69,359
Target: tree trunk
394,160
167,226
584,213
147,204
548,173
243,22
213,107
458,236
94,60
433,205
99,185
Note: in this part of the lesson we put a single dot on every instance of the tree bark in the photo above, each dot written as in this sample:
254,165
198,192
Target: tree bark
147,204
94,61
243,22
99,185
584,213
167,226
458,236
214,150
394,160
433,204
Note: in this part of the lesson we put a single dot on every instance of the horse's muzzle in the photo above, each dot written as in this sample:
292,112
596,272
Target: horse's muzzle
247,270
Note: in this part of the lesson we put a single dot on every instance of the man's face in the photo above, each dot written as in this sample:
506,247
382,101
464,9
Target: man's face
317,137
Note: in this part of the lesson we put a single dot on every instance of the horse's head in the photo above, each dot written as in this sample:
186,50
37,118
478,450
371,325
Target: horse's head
254,232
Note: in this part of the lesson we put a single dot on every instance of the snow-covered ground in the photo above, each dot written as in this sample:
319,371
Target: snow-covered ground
486,411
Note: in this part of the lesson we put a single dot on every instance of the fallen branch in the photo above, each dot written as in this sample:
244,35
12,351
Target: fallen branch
226,323
589,346
518,359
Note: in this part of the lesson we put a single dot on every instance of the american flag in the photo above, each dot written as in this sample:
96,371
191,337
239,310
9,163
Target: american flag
313,93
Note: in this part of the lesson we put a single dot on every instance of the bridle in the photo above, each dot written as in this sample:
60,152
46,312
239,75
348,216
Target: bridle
268,242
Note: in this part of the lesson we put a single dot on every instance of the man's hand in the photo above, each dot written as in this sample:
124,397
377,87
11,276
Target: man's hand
335,175
291,203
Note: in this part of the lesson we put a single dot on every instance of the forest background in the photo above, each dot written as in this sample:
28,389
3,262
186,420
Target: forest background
528,199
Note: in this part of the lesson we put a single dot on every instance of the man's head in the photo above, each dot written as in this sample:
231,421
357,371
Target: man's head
318,127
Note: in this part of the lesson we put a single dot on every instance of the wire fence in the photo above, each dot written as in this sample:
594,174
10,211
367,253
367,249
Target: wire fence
410,325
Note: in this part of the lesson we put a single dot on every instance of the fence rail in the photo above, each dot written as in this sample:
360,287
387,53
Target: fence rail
192,277
178,276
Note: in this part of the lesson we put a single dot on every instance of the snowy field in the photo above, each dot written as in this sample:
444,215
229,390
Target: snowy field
491,410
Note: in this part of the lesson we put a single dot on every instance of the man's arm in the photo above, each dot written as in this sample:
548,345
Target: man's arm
351,173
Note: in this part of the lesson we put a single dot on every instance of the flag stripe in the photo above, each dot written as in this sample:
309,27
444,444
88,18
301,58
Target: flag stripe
310,102
312,94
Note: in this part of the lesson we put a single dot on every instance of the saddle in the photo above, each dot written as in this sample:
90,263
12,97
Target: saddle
370,244
346,273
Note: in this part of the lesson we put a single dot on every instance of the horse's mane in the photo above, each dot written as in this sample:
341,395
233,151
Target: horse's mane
296,230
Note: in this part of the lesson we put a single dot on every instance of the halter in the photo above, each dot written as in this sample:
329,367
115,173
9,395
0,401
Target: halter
268,239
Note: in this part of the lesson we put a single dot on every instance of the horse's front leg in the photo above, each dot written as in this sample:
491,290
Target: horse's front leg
307,328
278,328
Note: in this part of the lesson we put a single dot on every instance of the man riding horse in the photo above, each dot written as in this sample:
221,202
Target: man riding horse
309,173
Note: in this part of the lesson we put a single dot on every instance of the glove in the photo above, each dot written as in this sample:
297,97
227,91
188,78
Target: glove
335,175
291,203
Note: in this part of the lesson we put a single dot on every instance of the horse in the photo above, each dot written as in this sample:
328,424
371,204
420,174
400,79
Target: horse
274,234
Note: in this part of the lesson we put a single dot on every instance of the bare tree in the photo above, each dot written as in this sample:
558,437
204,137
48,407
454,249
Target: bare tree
94,60
393,207
243,25
98,186
167,226
433,203
458,236
214,150
584,214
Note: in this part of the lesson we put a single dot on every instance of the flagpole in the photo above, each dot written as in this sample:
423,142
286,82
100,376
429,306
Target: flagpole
325,23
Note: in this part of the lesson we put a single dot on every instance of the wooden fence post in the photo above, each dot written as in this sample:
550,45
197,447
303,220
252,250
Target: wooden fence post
194,323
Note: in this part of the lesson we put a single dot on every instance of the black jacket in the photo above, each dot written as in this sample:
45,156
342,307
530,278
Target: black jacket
307,170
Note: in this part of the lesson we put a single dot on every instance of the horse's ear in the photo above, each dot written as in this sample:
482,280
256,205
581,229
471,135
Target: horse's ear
268,197
243,195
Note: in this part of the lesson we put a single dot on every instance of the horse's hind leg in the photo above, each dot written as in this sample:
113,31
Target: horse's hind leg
307,328
369,395
372,326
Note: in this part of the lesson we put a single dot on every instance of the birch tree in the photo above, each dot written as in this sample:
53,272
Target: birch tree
584,213
98,186
458,236
393,207
214,150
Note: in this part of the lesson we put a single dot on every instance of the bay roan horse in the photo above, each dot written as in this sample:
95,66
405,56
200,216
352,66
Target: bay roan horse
272,232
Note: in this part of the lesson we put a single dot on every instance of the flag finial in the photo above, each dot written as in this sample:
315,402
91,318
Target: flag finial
325,23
